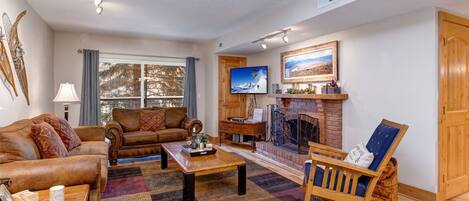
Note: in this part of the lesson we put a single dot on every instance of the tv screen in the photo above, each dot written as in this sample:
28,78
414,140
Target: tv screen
249,80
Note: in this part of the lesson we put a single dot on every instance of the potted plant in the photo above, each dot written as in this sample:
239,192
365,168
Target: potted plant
201,139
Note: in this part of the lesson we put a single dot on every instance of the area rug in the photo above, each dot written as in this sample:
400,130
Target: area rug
145,181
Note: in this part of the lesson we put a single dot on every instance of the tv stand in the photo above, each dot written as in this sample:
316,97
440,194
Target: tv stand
255,129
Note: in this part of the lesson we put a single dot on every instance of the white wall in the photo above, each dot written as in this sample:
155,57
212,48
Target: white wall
68,64
37,40
389,70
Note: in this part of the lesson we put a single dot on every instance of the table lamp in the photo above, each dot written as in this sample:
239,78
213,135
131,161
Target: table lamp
66,95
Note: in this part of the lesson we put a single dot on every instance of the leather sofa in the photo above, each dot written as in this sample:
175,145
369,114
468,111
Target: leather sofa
20,160
128,141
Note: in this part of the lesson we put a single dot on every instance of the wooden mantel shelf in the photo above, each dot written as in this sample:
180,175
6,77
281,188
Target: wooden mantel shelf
312,96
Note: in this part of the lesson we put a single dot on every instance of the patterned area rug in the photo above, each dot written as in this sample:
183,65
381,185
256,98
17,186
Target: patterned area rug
145,181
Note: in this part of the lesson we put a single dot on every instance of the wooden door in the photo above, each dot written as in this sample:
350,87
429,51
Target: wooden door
229,105
454,106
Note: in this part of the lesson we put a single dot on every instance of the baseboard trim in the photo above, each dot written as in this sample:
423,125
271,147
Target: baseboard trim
416,193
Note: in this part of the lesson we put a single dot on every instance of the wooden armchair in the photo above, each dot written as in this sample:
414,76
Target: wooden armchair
329,177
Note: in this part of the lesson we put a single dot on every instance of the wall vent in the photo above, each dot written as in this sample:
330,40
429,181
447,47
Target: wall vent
324,3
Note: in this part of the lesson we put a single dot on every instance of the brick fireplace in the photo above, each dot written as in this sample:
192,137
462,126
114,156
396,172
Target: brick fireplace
326,108
328,112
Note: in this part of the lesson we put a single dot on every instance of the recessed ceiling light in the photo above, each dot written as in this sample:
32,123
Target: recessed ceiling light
98,2
99,10
264,45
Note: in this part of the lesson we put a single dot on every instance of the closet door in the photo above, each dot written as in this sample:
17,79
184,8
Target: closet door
454,106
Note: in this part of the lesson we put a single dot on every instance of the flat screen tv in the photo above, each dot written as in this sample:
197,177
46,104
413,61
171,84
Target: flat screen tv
249,80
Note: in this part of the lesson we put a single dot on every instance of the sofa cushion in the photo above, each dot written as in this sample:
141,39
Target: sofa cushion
16,143
152,120
91,148
48,141
129,119
171,135
68,136
140,138
175,117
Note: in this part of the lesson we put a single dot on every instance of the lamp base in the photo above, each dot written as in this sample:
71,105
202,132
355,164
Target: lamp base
66,111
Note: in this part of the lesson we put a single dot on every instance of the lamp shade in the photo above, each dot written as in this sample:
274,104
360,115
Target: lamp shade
66,94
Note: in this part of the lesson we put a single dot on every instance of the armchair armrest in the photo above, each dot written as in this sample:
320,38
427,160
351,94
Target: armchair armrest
325,150
192,123
326,161
90,133
43,174
114,133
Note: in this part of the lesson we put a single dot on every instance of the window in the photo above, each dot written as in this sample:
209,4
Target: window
122,86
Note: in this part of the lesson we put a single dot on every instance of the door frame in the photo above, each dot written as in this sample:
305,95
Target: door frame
443,17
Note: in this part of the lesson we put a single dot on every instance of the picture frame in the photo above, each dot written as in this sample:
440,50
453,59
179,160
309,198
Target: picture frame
317,63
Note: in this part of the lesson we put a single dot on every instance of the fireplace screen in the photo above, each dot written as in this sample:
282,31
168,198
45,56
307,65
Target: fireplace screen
294,131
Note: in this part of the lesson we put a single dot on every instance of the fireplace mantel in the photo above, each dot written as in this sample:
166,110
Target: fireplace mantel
312,96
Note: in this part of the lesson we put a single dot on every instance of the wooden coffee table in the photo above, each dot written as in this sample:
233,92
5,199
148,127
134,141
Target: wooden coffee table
203,165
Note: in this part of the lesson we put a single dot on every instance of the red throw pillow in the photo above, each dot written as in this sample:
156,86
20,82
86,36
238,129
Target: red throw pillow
48,141
67,134
152,120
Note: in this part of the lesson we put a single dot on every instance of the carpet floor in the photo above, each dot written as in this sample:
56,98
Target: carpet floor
146,181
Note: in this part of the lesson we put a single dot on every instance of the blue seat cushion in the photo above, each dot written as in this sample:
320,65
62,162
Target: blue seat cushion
361,186
380,142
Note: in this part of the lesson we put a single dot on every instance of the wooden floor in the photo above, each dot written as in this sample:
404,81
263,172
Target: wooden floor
464,197
290,173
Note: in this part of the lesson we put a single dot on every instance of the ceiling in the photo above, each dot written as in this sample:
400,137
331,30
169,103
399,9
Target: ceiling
353,14
185,20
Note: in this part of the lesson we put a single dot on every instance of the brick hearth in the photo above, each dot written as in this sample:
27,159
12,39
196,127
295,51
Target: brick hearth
280,154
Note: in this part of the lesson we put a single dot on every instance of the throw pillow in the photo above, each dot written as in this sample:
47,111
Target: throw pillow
48,141
152,120
67,134
360,156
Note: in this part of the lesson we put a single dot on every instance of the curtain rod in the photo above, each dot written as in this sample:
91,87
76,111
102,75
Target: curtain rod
138,55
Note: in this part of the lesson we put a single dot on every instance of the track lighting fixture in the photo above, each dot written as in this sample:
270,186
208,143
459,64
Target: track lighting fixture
99,6
99,10
98,2
285,37
263,40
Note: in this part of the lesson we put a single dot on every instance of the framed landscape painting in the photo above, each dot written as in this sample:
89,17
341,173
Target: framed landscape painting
312,64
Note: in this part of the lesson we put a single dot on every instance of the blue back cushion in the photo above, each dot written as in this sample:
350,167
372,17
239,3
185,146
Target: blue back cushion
380,142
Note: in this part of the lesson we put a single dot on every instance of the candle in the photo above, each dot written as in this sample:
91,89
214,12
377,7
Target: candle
56,193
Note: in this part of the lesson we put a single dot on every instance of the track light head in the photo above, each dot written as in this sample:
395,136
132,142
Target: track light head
98,2
263,45
99,10
285,38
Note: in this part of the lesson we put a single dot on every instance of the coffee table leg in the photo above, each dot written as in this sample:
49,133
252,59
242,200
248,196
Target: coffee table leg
241,179
188,193
164,159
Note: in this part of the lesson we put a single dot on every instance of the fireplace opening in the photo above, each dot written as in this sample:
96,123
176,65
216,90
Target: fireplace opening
294,131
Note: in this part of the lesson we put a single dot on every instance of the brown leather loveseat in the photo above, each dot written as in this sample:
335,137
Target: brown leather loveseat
128,141
20,160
